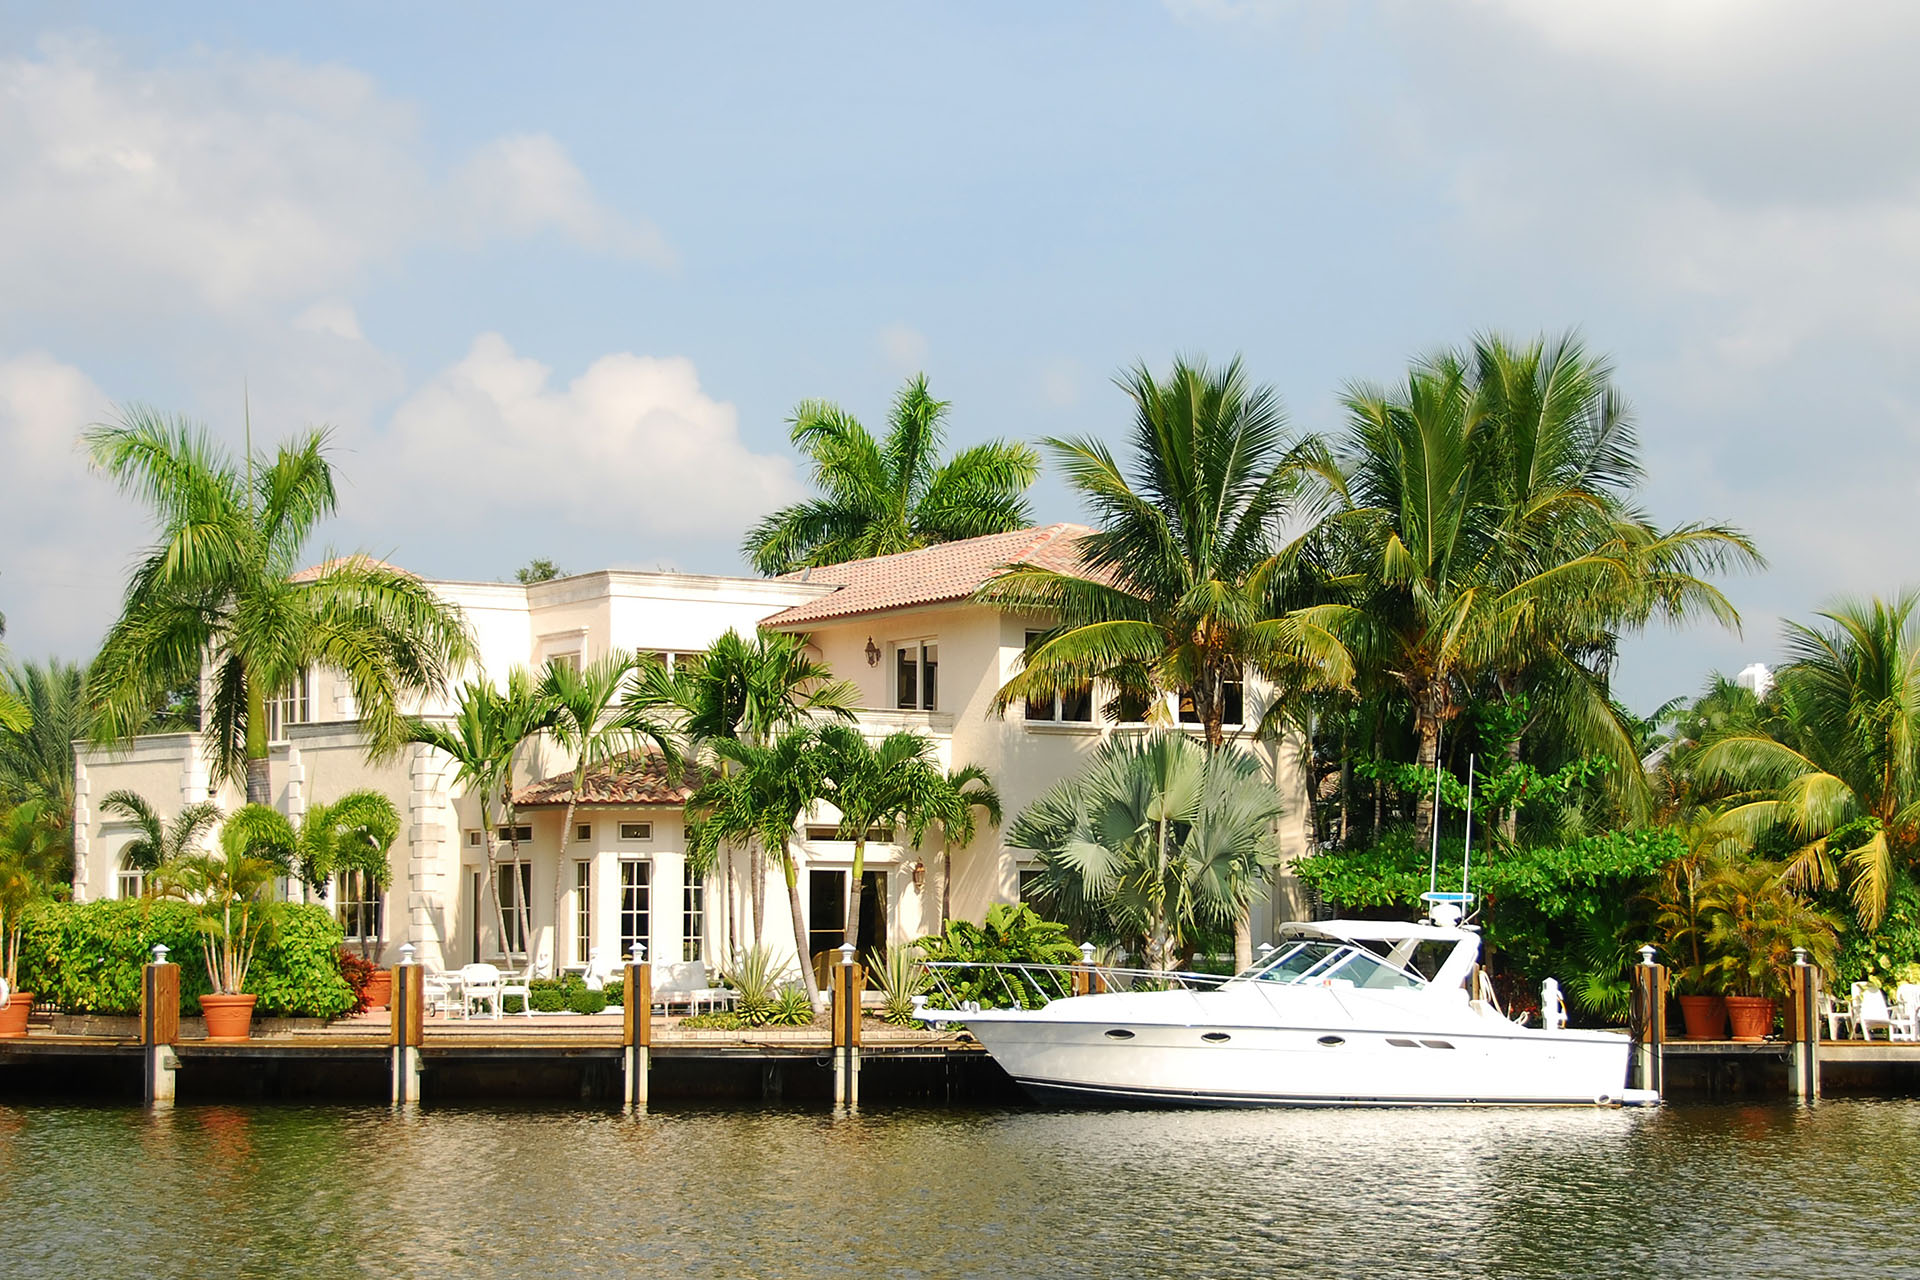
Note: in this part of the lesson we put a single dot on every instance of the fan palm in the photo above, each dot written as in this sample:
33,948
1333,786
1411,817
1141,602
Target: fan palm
220,587
1838,774
1484,531
1157,837
159,841
887,785
882,496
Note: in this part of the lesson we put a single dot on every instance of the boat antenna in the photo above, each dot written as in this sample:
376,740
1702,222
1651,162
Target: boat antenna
1466,860
1433,859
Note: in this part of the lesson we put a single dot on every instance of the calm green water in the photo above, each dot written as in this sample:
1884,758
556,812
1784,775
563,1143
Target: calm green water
266,1191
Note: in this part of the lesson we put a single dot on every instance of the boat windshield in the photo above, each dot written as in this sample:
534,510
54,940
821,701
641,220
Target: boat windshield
1335,962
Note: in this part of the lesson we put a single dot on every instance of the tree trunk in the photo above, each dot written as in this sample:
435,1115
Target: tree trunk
1243,940
1346,784
792,873
1510,816
855,892
1427,709
757,892
560,873
1379,790
493,876
522,884
259,778
733,915
946,885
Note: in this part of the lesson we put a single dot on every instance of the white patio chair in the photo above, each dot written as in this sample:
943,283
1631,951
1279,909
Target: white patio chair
1870,1011
1906,1011
704,994
1839,1016
480,985
518,984
675,985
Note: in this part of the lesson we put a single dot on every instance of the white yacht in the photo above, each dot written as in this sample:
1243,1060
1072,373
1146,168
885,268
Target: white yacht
1342,1012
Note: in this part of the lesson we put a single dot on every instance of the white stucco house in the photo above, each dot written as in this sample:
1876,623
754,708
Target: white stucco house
903,629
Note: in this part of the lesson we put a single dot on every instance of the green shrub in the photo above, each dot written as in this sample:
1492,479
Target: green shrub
585,1001
790,1008
1012,934
720,1020
1884,956
616,991
547,995
86,957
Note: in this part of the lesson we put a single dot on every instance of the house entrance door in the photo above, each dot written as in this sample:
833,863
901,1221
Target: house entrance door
827,915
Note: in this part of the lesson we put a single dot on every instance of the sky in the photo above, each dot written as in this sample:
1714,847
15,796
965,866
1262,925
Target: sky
555,276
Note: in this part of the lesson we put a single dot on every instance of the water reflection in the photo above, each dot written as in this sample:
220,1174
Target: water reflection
1753,1190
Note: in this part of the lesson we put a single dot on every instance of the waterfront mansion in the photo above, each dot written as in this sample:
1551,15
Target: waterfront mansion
904,629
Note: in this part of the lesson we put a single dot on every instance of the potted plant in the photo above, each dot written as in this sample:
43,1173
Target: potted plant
1680,922
232,894
31,848
1754,924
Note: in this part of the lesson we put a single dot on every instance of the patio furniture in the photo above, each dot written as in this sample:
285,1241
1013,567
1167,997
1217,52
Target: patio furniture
443,993
1839,1016
480,985
1906,1011
518,984
1870,1012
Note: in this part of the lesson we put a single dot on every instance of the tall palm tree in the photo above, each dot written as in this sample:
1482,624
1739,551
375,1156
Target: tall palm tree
952,805
36,761
760,796
14,716
160,842
1839,773
882,496
888,785
1157,837
741,690
1484,530
592,720
221,587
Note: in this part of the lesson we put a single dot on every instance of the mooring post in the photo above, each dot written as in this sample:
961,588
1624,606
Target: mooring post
159,1027
637,1024
1083,972
1803,1027
1647,1021
849,979
407,1027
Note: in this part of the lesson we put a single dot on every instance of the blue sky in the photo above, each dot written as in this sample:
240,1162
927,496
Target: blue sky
557,277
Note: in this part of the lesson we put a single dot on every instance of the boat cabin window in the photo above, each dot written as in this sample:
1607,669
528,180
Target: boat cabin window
1337,962
1363,970
1291,963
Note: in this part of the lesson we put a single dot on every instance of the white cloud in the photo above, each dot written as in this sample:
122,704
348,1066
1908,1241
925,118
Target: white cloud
229,180
330,316
633,445
904,347
67,534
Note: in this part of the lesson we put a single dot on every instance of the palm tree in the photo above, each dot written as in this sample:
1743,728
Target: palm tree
1483,530
886,786
952,803
1183,587
1157,837
159,842
220,587
1838,774
36,761
354,833
590,721
14,716
882,496
741,690
760,795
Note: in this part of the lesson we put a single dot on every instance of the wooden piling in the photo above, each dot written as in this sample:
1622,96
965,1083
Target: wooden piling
849,980
1647,1023
637,1031
1803,1028
407,1030
159,1032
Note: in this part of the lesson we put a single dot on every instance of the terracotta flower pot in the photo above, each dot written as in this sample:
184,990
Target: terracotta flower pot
13,1018
380,989
1705,1016
1752,1017
228,1017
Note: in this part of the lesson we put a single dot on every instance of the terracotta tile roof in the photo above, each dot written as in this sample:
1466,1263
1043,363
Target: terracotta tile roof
313,573
636,778
931,575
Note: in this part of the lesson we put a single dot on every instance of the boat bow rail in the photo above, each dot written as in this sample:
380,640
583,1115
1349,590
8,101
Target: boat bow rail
961,986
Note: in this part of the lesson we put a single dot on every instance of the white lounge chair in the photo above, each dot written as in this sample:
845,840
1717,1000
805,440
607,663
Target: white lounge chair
518,984
480,986
1839,1016
1906,1011
1870,1012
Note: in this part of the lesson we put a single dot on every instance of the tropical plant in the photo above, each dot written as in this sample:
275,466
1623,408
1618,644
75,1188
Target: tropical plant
232,894
353,834
1838,774
36,761
745,690
882,496
792,1007
223,587
759,794
160,842
590,721
14,715
1158,838
901,977
975,959
1483,534
30,861
886,786
950,804
1754,923
756,981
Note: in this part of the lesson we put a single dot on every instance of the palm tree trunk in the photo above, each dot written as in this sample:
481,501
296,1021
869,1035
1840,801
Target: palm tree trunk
1379,790
855,891
791,871
259,777
1243,940
560,866
493,874
946,885
1346,782
1427,709
757,868
733,921
522,882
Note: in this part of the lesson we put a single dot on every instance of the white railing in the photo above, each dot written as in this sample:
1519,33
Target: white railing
958,985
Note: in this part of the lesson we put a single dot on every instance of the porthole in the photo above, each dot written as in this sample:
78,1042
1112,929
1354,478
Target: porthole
1333,1042
1216,1037
1119,1033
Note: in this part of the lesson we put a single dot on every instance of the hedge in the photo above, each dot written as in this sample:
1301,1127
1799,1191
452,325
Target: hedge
86,957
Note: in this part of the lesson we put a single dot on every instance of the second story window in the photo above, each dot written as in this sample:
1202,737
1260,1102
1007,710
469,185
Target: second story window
293,705
1072,706
917,675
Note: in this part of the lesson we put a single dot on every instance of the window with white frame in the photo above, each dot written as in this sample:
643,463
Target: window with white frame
693,920
636,831
569,660
1072,706
130,881
636,905
508,835
916,665
582,911
292,705
360,906
516,887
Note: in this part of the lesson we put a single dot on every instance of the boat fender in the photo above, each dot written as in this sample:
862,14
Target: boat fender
1553,1008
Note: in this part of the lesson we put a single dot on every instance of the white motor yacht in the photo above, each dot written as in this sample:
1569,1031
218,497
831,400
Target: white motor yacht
1342,1012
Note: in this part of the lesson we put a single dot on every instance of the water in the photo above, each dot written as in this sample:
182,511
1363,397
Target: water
1689,1190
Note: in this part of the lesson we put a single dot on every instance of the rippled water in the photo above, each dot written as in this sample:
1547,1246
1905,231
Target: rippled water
1689,1190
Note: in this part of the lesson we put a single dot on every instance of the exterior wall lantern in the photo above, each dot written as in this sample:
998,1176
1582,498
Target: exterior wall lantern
873,653
919,876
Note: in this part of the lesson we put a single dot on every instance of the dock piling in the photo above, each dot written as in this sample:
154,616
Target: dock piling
849,980
407,1023
1803,1028
1647,1022
159,1028
637,1026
